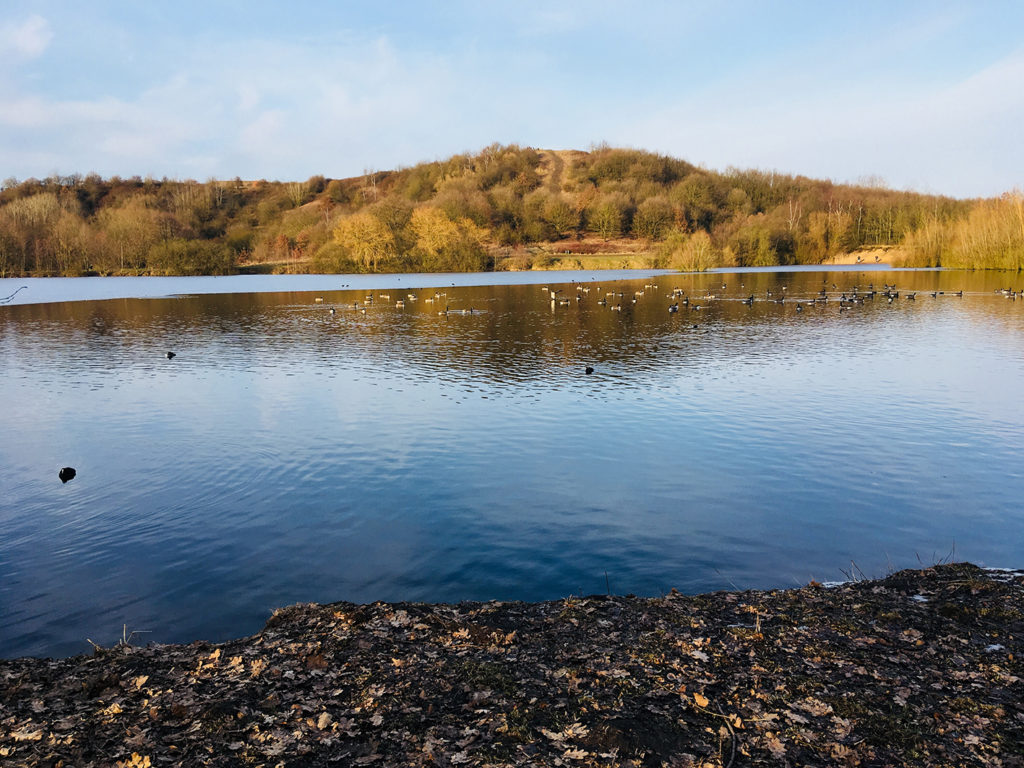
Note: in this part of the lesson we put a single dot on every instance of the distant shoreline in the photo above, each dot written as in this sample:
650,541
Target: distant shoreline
44,290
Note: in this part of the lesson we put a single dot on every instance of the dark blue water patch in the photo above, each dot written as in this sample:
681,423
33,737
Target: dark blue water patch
286,454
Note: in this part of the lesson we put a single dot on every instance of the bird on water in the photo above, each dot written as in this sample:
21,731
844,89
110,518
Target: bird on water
171,355
66,473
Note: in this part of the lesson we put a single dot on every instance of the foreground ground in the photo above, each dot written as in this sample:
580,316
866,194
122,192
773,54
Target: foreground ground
921,668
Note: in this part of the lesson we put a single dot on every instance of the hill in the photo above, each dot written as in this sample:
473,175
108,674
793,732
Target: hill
505,207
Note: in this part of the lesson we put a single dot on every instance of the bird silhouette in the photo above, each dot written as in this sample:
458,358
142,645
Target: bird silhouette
6,299
67,473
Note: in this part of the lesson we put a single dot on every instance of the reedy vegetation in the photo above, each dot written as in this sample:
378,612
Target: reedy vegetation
494,209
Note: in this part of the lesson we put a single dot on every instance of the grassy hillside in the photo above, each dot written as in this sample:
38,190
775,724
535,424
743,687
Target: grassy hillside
506,207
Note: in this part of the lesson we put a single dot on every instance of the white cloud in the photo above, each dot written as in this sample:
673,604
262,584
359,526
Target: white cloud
256,110
949,139
25,40
335,103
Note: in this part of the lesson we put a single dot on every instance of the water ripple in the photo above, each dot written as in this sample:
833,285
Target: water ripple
286,453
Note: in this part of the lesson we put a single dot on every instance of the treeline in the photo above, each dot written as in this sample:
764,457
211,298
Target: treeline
990,236
472,211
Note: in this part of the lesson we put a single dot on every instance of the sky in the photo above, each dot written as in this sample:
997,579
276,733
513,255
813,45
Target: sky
927,96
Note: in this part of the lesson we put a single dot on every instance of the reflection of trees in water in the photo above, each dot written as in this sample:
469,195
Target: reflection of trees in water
516,335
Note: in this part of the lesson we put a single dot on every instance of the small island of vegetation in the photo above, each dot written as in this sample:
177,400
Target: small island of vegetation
504,208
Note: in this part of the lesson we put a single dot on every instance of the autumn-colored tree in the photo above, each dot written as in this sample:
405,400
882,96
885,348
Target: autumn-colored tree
608,215
367,239
562,216
445,244
653,218
129,230
691,252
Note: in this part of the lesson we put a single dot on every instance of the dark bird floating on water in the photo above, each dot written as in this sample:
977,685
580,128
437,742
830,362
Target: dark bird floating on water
67,473
171,355
589,370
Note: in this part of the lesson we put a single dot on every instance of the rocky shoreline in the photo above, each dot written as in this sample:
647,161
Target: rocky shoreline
920,668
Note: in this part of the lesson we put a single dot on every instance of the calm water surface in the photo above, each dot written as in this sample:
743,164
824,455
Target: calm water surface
287,454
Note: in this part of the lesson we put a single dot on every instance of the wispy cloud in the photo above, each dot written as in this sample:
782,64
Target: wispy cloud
897,93
26,39
948,138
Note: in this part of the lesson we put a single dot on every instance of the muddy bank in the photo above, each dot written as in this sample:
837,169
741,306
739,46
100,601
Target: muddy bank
921,668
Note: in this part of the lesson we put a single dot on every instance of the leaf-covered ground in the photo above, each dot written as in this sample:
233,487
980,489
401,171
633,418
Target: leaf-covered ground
921,668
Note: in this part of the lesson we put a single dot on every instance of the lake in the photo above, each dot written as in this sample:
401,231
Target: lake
287,454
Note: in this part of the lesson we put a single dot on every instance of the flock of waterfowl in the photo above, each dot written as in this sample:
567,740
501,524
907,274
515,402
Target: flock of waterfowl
679,299
617,299
400,303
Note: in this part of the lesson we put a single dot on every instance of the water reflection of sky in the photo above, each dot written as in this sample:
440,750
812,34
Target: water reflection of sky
287,454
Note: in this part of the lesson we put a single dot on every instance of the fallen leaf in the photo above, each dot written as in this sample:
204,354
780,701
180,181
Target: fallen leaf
26,735
702,701
776,747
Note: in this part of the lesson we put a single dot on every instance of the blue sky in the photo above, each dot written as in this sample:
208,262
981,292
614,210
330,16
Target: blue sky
924,95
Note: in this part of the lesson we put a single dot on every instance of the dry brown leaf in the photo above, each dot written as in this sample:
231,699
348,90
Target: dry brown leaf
25,734
702,701
776,747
